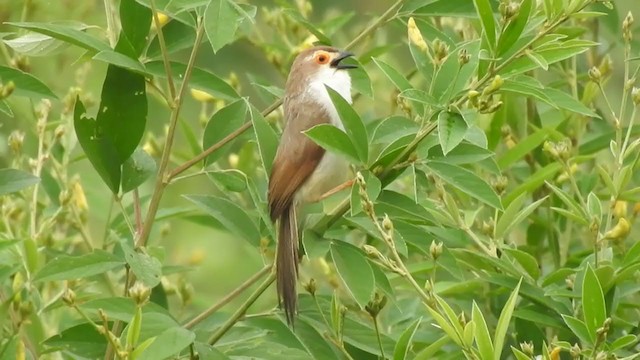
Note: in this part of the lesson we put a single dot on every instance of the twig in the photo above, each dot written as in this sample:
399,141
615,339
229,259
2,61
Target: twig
162,177
165,56
225,300
112,25
242,309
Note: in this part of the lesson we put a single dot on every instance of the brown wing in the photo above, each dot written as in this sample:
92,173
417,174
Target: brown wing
297,157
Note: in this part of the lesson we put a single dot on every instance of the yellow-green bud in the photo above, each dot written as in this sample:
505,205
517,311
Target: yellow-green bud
527,348
595,75
140,293
435,249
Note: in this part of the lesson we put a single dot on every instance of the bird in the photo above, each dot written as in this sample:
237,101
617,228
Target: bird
302,171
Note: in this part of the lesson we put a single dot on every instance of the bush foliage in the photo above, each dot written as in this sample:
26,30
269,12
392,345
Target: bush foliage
492,216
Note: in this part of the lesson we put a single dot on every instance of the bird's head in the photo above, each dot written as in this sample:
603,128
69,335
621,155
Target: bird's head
318,66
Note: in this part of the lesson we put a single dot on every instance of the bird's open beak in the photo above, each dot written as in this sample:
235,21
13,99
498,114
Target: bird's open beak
336,63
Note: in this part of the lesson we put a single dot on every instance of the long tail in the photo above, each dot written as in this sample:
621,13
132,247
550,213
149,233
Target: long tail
287,263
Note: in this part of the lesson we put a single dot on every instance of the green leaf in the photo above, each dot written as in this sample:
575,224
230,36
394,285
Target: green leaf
513,215
137,169
266,137
521,87
419,96
200,79
623,342
12,180
526,260
485,13
353,125
315,344
177,36
533,182
482,336
66,267
133,330
82,340
451,130
354,270
578,328
221,21
466,181
230,215
568,102
404,342
514,28
224,122
68,33
99,148
135,20
229,180
552,53
503,322
360,80
147,268
122,115
593,306
5,108
168,343
297,17
333,139
523,148
121,61
538,60
34,44
25,84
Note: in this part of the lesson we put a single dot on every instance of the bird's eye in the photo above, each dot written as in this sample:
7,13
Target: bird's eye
322,58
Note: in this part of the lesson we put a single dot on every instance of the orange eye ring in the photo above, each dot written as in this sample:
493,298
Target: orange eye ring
322,58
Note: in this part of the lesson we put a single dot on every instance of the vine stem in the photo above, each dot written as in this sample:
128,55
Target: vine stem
225,300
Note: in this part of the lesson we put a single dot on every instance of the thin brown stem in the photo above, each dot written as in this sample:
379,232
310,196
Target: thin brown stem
225,300
165,55
162,176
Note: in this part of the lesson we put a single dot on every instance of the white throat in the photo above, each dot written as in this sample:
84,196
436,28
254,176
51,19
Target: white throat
338,80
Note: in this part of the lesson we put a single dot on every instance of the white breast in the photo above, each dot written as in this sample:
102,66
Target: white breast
338,80
332,169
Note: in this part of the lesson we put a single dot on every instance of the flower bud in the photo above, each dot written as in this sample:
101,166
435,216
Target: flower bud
415,37
163,19
463,57
626,27
619,231
140,293
16,140
620,209
202,96
435,250
7,89
69,297
575,351
387,224
527,348
310,287
595,75
635,96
